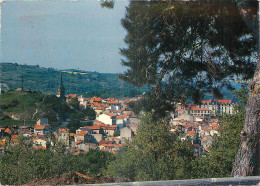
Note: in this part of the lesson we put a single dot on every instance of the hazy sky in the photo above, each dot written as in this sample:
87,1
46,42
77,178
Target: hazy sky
63,34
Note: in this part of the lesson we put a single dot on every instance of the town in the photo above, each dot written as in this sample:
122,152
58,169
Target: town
116,124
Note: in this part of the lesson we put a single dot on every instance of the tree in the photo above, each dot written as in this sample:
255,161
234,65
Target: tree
90,113
74,103
247,158
154,154
185,49
95,162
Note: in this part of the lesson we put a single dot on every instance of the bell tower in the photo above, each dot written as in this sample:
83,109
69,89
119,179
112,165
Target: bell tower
61,90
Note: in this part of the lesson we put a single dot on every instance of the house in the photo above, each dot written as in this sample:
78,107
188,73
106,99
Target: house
82,136
95,129
110,130
8,131
2,145
110,147
115,140
99,110
121,120
63,136
84,129
39,142
14,139
39,129
107,118
126,133
86,146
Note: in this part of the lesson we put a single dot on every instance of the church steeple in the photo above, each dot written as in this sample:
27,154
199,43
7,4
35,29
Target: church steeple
22,83
61,89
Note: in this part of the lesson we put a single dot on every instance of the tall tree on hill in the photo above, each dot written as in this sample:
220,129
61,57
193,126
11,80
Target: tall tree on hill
185,49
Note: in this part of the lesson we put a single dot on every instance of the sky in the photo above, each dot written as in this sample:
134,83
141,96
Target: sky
63,34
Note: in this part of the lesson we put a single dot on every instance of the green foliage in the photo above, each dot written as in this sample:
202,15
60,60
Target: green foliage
29,106
95,162
76,118
21,164
154,154
74,103
90,113
107,3
186,49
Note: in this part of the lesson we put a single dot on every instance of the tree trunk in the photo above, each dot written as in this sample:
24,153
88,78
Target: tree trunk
247,158
247,155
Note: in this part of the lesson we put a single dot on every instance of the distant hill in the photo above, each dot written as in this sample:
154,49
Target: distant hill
75,81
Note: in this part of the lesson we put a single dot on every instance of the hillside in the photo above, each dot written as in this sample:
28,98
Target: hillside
47,79
20,107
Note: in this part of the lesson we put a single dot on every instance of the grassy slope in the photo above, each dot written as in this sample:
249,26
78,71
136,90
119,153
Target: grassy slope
28,106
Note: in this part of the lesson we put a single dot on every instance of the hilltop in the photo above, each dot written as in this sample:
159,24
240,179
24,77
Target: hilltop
46,80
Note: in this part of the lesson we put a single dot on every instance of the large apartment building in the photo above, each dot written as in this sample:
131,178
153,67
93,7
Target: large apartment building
218,106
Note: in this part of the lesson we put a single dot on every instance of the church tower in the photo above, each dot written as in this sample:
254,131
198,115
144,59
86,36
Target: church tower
61,90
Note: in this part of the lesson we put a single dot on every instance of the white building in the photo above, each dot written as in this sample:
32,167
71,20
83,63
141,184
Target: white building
107,118
218,106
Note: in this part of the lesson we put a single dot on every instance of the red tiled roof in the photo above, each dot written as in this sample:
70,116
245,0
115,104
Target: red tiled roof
191,132
111,102
63,130
94,127
14,136
223,101
82,133
111,115
121,116
214,125
98,121
73,95
97,99
7,130
78,142
2,143
38,127
95,104
206,101
104,105
197,108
